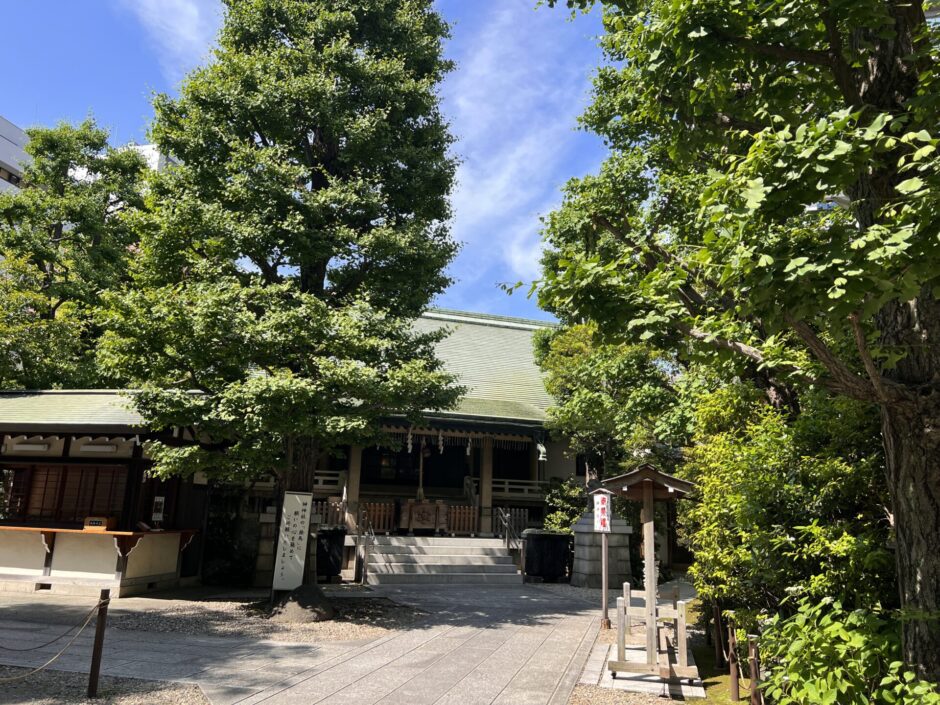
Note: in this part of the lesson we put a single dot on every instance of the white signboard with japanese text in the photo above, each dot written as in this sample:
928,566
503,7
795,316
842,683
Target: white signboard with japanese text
602,512
292,541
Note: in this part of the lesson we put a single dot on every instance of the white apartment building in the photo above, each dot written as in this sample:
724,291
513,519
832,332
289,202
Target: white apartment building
12,155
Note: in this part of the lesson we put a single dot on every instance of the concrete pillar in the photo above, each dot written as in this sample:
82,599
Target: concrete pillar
353,472
486,488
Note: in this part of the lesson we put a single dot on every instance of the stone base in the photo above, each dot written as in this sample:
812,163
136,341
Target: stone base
587,553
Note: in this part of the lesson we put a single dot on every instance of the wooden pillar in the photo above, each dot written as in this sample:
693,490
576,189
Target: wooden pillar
605,578
533,462
486,488
353,475
649,571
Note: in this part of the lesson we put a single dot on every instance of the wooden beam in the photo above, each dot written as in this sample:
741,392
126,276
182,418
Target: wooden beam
671,672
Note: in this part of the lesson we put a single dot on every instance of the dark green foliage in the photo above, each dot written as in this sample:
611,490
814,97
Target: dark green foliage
769,210
826,654
775,516
613,402
286,256
64,238
567,500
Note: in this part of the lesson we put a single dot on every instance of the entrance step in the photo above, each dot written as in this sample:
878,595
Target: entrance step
435,568
435,550
442,558
444,579
438,560
439,541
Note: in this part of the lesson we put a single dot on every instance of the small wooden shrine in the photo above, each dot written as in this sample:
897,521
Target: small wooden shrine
667,648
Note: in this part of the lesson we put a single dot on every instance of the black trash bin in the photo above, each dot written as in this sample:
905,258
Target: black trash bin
330,546
546,554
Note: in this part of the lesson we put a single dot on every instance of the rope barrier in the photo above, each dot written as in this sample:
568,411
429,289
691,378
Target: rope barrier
71,641
100,603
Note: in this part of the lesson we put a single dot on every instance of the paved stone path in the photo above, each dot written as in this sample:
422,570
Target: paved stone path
505,646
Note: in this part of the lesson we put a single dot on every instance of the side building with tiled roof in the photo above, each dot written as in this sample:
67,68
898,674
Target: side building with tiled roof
73,456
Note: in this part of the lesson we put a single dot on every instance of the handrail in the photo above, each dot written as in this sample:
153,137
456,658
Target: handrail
505,518
365,534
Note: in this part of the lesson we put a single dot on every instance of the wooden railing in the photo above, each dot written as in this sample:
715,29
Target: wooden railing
329,481
463,520
330,512
516,489
381,515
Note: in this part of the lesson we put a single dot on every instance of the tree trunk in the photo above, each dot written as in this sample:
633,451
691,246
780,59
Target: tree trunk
911,434
305,458
913,465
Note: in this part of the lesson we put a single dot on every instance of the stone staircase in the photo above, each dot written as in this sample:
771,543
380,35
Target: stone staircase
401,560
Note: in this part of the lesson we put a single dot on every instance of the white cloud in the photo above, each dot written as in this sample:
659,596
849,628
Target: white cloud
522,79
183,31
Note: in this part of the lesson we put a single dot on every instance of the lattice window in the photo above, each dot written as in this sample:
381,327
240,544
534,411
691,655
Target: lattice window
69,493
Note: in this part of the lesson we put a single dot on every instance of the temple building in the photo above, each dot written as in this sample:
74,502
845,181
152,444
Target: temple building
77,504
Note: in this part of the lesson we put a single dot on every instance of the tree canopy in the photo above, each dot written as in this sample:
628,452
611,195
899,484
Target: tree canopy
301,230
611,401
64,239
769,204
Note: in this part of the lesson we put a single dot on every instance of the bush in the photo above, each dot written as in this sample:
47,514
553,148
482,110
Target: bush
771,520
826,655
566,501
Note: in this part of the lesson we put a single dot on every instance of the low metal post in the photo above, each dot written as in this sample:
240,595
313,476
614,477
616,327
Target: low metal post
103,600
605,618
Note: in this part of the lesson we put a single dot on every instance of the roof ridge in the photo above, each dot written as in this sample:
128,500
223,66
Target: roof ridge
492,319
66,391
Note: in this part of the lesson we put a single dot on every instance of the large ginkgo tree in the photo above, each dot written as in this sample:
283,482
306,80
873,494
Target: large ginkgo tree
771,199
298,232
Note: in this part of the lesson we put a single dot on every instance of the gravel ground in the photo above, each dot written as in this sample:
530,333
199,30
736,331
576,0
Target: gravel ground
59,687
595,695
357,618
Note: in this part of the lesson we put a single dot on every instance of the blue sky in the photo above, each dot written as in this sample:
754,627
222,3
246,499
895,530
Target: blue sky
523,76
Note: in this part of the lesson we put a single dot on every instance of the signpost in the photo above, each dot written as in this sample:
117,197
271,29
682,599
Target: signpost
602,526
292,540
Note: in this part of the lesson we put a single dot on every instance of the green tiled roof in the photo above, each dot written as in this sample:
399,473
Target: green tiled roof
490,355
94,410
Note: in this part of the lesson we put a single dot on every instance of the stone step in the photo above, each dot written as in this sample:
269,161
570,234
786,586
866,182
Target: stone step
459,559
439,541
436,568
436,550
445,578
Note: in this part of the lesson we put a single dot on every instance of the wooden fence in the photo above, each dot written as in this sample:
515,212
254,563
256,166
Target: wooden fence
330,512
463,520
